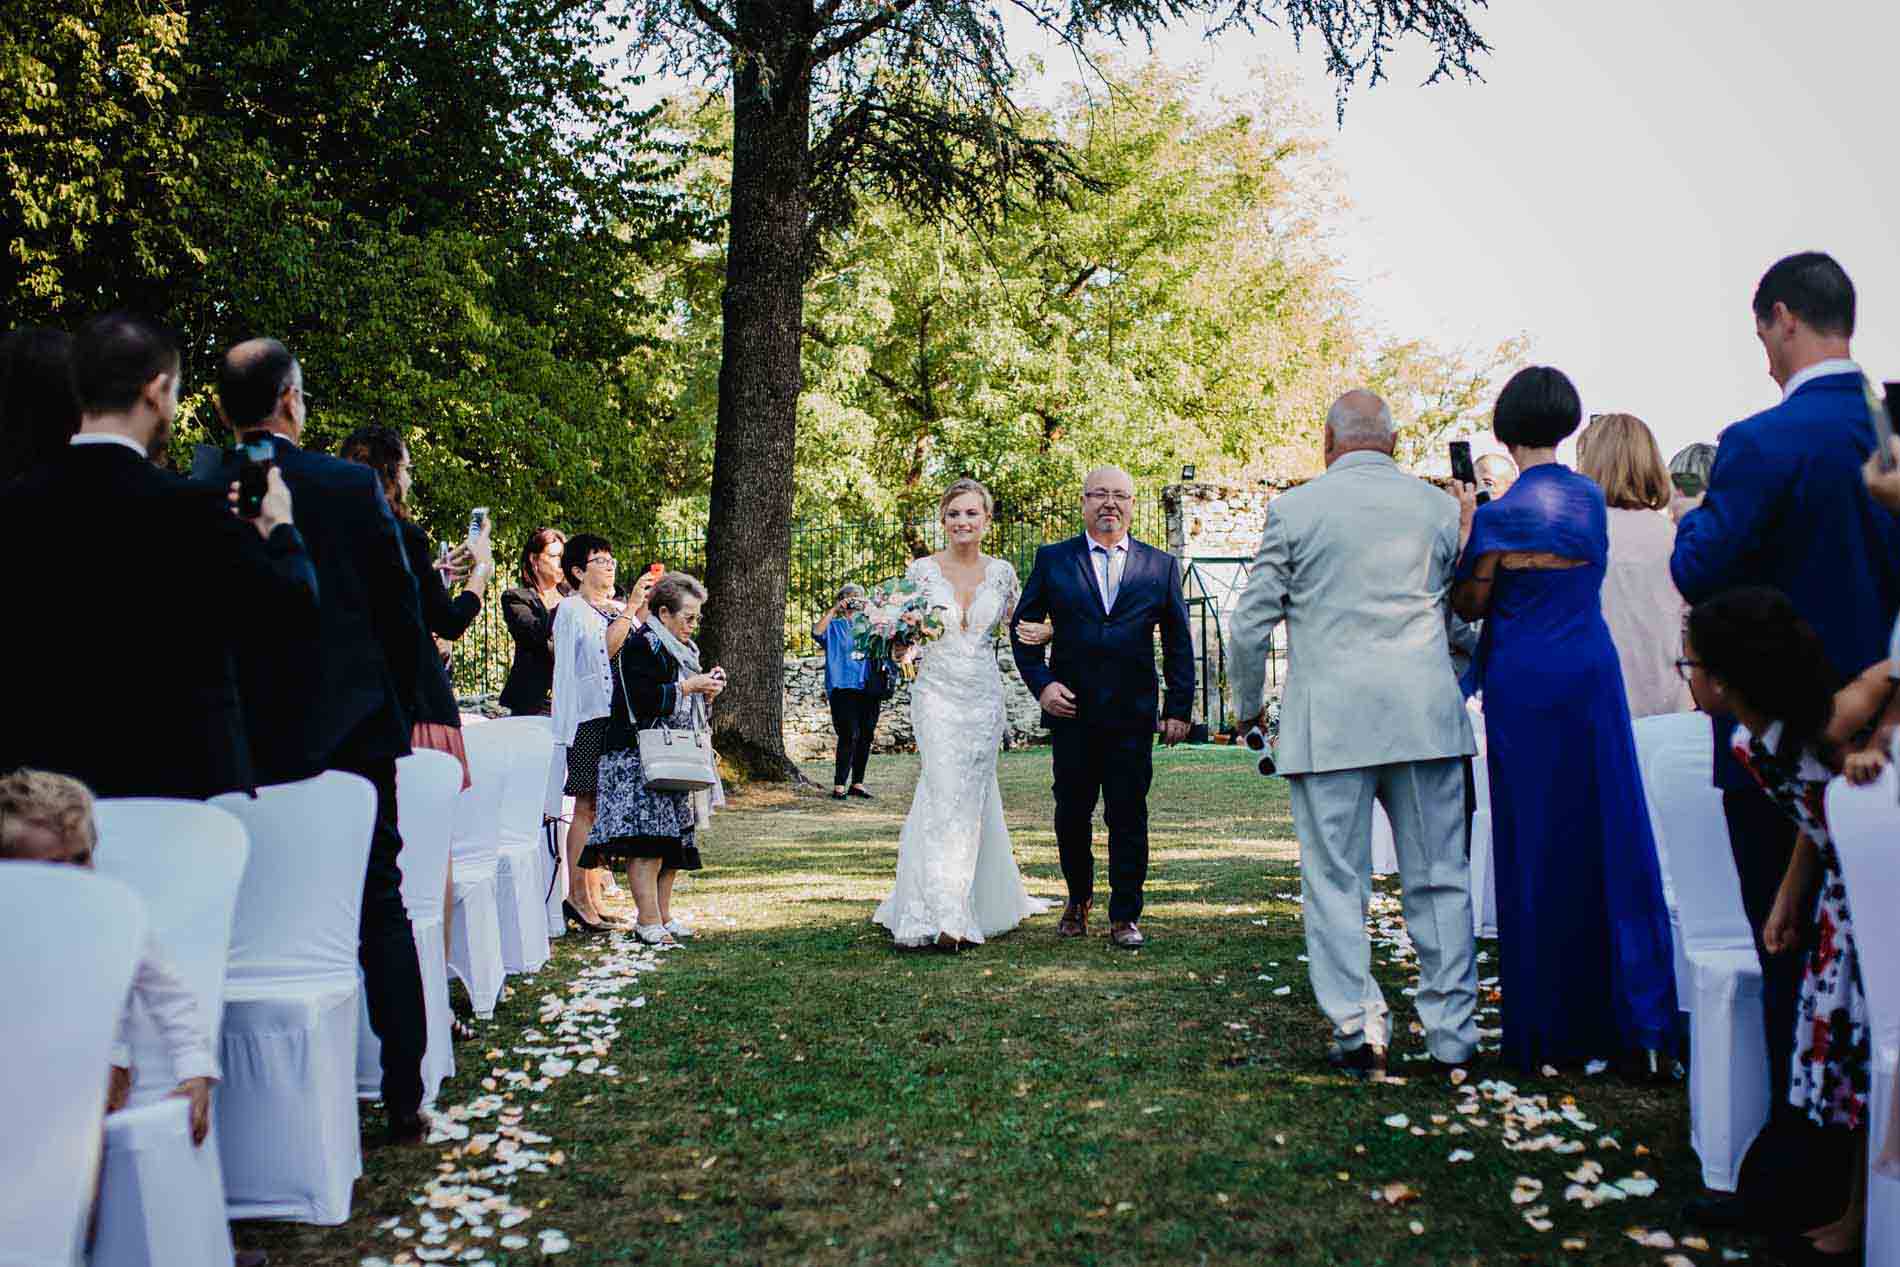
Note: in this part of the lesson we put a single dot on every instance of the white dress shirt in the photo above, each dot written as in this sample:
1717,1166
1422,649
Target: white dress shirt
158,989
1109,562
107,437
583,679
1820,369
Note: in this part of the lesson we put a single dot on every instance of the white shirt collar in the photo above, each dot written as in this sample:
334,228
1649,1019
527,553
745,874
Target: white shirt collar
108,437
1121,545
1820,369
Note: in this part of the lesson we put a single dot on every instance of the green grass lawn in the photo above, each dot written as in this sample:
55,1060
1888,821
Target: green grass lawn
796,1090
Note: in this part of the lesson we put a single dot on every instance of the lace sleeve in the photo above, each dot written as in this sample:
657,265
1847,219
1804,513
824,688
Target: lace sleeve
918,570
1010,586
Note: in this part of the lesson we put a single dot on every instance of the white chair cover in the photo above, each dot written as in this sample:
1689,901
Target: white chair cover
185,859
1484,875
475,929
1728,1060
287,1122
1865,825
557,811
70,942
1686,733
1385,848
162,1200
519,892
427,783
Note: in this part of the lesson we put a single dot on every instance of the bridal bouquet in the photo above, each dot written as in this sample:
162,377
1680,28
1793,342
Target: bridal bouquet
896,615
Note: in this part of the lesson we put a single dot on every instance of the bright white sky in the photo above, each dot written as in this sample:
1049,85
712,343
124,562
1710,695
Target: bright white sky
1616,186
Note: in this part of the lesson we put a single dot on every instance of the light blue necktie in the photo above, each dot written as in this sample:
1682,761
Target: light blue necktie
1110,582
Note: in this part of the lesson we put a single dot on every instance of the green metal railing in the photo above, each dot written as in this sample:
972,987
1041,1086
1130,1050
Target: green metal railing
825,554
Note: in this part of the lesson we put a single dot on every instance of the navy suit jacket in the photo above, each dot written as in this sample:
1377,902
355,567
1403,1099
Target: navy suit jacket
133,689
1108,659
344,696
1787,508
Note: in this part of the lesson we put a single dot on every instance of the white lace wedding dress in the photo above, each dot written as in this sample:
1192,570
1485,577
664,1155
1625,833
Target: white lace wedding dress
955,871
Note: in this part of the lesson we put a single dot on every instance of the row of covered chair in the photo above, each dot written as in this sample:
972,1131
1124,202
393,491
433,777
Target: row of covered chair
256,902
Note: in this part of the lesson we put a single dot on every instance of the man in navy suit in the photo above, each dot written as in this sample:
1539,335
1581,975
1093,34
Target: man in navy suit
1787,507
1107,594
338,700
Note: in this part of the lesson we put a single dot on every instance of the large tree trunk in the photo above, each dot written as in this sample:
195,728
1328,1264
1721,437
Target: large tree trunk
749,531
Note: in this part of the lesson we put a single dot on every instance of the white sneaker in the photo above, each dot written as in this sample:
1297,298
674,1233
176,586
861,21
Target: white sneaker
678,929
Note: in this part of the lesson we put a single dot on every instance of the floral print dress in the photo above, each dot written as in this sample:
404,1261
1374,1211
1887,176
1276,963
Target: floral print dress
1832,1052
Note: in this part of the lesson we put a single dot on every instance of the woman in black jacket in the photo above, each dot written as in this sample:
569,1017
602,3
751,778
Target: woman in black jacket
436,719
528,610
657,683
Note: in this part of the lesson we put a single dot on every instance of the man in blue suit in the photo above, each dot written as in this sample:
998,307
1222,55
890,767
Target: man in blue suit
1107,594
1787,507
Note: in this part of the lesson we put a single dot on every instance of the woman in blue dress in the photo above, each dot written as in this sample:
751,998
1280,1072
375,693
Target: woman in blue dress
1587,966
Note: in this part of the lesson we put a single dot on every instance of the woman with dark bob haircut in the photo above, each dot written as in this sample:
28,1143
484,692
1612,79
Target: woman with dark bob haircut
1588,969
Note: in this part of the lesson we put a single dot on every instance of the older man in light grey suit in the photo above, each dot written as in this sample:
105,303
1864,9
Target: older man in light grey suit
1358,563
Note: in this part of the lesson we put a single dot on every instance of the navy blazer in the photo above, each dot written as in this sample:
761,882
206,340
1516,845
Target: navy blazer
343,697
1787,508
132,688
1108,659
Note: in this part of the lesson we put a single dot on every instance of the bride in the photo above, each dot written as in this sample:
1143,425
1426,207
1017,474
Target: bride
957,881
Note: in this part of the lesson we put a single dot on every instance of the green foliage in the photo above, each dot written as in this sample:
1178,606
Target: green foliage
448,210
1180,306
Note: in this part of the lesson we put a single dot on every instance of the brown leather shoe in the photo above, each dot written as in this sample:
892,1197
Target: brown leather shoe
1075,919
1126,936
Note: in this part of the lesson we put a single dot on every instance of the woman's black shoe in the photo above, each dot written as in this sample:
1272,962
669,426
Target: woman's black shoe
575,917
837,796
861,794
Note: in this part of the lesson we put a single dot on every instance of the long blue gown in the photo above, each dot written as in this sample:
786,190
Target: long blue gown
1583,933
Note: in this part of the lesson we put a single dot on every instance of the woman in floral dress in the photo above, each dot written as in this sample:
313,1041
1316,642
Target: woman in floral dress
1750,655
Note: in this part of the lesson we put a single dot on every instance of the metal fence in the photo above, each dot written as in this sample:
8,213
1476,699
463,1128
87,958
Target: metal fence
825,554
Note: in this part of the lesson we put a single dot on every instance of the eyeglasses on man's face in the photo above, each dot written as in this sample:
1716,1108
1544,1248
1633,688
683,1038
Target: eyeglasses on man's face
607,559
1107,494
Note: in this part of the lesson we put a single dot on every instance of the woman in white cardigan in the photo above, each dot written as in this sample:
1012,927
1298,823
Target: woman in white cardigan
1640,602
589,628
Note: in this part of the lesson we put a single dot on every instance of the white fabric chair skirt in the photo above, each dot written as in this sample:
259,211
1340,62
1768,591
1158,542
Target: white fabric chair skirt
557,811
1728,1056
1865,824
161,1200
475,921
70,941
287,1123
427,784
520,896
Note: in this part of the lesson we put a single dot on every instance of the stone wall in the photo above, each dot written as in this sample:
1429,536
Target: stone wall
808,733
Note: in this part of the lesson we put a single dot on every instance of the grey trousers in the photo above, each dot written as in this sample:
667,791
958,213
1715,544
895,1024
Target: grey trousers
1333,814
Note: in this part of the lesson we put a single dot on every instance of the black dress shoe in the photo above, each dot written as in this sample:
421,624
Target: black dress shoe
406,1132
1717,1209
1363,1061
860,792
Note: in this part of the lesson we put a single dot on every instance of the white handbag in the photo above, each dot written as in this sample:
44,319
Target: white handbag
675,760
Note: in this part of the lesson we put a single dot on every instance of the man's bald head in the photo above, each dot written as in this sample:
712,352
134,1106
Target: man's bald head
260,385
1359,421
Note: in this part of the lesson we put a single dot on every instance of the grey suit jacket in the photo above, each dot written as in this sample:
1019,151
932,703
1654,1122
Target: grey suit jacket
1359,564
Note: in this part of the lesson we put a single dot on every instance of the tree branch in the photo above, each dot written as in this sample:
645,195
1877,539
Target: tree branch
860,33
713,22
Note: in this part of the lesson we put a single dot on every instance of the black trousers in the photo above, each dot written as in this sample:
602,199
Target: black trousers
1115,766
854,717
386,949
1762,839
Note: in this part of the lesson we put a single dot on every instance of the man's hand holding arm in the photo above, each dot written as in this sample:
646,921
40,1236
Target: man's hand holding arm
1262,606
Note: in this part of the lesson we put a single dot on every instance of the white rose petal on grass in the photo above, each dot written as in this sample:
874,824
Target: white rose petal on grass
1595,1067
1417,1228
514,1242
1398,1121
1460,1155
1677,1260
1638,1185
1283,990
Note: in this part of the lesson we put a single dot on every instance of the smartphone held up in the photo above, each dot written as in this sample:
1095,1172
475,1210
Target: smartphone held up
1880,412
1464,470
257,457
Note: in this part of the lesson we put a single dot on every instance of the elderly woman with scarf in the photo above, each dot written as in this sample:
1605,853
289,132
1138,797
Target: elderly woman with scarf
657,681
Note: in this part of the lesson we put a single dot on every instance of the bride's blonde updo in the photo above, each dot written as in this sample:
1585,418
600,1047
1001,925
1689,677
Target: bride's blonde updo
962,487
